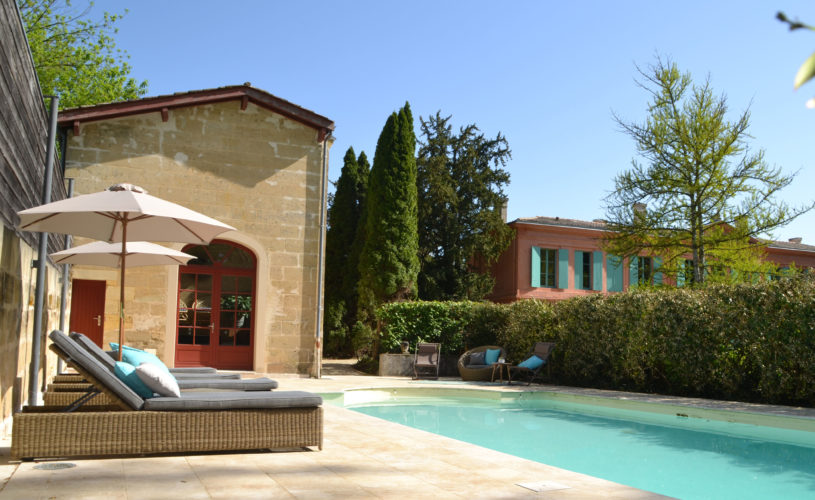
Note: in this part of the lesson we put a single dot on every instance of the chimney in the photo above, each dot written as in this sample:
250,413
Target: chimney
796,240
504,211
639,208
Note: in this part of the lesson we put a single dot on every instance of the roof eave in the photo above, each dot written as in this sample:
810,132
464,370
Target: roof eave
74,116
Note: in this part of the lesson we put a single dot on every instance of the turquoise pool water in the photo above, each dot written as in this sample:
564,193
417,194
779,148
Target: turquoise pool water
688,458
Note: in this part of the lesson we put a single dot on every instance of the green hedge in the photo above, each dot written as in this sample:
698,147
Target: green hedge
749,342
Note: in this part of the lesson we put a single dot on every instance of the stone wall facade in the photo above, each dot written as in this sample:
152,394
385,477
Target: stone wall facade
23,140
252,168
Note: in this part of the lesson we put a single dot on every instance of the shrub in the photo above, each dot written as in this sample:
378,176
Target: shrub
751,342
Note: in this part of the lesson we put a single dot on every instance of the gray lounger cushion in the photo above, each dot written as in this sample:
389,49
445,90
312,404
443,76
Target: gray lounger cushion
84,359
205,376
93,349
247,384
234,401
192,370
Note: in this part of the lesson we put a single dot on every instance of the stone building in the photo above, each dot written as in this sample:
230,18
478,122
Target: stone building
250,299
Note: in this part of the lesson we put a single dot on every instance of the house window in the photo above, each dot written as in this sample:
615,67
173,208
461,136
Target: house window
685,274
583,270
645,269
548,267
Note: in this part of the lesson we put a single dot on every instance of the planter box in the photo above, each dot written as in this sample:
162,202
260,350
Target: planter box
401,365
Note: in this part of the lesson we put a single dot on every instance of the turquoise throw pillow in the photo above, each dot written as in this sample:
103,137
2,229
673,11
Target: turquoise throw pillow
492,356
533,363
115,347
136,357
127,374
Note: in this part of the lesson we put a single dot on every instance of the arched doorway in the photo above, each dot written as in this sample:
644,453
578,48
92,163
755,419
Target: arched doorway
216,304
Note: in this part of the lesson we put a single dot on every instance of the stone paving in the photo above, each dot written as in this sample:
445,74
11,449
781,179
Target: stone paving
362,457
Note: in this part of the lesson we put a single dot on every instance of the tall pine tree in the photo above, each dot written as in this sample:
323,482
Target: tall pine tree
389,262
341,274
461,230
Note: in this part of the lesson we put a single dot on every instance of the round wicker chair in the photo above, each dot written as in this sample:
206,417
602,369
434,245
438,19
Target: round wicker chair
476,372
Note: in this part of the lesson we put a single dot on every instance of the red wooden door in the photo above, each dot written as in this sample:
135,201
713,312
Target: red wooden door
88,308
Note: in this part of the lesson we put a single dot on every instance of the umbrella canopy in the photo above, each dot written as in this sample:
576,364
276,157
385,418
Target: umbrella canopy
122,213
137,253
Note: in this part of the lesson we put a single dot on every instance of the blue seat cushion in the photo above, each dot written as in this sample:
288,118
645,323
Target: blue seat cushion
532,363
136,357
491,356
127,374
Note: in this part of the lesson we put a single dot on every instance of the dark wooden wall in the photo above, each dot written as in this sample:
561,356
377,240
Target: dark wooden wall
23,129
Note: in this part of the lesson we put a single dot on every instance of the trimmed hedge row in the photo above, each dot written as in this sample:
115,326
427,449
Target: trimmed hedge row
748,342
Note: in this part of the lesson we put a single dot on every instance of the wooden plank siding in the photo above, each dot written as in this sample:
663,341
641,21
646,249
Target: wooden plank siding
23,129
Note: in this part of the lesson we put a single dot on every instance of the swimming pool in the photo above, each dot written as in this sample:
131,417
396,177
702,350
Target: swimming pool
663,451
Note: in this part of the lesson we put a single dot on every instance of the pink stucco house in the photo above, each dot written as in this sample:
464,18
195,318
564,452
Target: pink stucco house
552,258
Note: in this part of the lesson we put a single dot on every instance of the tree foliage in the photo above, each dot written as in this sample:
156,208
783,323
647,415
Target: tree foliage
388,262
461,230
341,253
807,70
75,57
702,194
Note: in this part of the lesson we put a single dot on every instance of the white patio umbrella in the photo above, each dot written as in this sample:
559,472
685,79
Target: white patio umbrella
121,213
137,253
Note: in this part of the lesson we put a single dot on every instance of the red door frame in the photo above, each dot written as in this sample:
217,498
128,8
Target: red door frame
214,354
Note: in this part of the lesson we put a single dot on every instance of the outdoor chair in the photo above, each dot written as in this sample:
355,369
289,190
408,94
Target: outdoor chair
428,359
532,366
195,422
473,366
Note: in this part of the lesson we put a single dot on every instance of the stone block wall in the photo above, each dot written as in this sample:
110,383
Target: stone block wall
253,169
17,286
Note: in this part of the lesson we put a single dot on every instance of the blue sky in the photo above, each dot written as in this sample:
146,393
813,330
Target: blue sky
547,75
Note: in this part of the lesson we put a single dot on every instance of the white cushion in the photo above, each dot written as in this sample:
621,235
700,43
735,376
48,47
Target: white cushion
158,380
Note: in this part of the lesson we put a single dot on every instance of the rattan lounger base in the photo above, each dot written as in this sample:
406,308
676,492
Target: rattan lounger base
64,399
40,432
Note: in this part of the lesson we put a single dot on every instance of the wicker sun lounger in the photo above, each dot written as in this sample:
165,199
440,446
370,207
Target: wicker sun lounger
193,378
195,422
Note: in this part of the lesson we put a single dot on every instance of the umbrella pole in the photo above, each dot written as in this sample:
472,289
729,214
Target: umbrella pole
122,291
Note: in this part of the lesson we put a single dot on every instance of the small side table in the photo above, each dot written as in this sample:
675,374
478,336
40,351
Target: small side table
501,367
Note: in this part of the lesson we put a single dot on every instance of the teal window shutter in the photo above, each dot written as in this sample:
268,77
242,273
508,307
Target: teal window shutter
563,268
536,267
597,271
657,273
614,273
680,277
633,274
578,269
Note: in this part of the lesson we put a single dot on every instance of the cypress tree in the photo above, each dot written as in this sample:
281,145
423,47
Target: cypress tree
350,284
389,262
341,272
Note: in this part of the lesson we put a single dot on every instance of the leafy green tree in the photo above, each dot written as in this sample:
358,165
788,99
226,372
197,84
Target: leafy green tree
389,264
75,57
341,273
461,230
701,192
